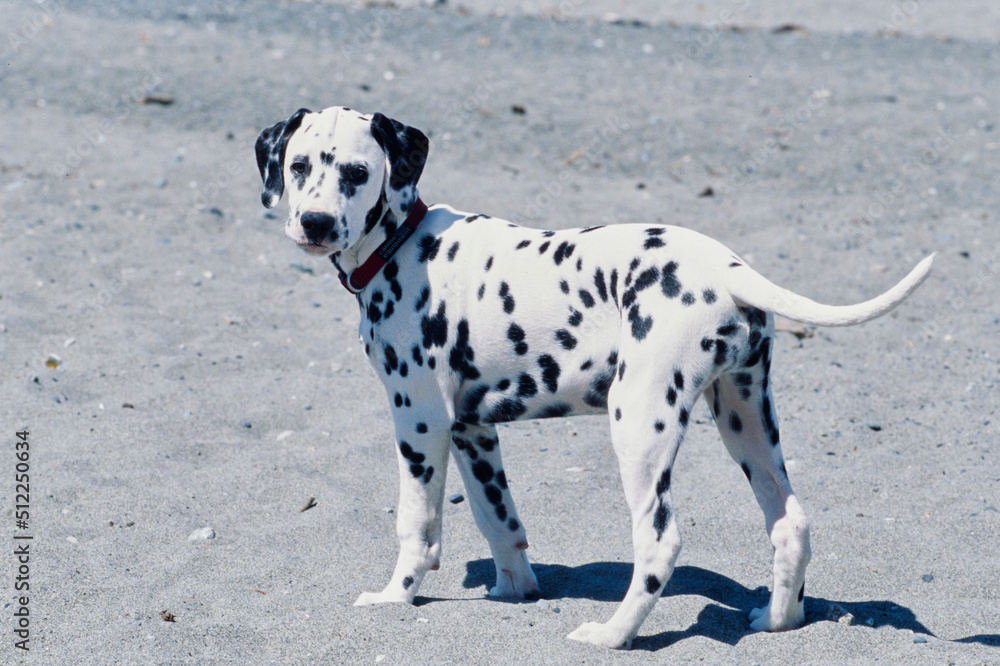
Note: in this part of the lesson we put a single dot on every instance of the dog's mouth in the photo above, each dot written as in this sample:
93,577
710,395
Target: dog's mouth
314,248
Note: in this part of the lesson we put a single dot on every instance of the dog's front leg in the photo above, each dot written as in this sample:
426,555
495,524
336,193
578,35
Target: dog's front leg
423,459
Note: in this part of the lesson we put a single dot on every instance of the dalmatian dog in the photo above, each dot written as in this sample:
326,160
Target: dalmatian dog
471,321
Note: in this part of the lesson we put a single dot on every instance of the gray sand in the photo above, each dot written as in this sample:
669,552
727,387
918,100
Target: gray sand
209,373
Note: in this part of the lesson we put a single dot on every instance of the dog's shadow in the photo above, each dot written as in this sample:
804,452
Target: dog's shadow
724,621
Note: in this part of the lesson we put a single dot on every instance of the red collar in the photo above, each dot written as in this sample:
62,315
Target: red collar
363,274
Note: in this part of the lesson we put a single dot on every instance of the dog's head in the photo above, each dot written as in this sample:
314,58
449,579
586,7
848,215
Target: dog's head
344,171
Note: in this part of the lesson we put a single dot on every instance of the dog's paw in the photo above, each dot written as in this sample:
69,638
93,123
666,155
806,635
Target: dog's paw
763,619
522,585
600,634
369,598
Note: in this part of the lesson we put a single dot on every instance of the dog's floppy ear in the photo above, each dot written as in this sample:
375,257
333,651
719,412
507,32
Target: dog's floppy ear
405,151
270,149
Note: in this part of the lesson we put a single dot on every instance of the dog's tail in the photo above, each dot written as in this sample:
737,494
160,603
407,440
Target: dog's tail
754,289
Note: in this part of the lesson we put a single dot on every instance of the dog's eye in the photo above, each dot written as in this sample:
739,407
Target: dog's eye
298,167
355,173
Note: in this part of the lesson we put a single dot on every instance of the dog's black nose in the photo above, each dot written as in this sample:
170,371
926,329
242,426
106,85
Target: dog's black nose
318,226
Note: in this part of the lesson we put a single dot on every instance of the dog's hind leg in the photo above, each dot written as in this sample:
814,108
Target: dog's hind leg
744,413
650,408
477,455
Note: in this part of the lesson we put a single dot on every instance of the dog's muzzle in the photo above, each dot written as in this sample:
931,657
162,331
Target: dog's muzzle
319,227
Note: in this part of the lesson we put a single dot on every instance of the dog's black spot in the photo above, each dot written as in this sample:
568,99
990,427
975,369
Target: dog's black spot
565,338
621,370
407,582
391,360
421,302
418,357
589,229
513,525
628,298
421,427
647,278
679,380
586,365
428,474
586,298
655,231
543,247
501,512
481,292
618,414
709,296
597,396
483,471
508,300
461,357
516,335
503,385
469,406
429,247
575,317
489,263
486,443
435,328
564,286
327,157
721,349
431,362
452,251
735,424
501,479
493,494
653,242
409,453
550,372
548,234
671,396
523,244
403,368
602,288
526,386
652,582
687,298
707,344
769,425
613,286
640,324
398,400
668,280
659,426
562,252
508,409
554,410
682,417
663,483
726,329
417,470
660,519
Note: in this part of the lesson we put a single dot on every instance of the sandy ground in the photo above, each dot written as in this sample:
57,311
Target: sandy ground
208,374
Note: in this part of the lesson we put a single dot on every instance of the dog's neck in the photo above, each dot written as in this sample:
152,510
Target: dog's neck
379,226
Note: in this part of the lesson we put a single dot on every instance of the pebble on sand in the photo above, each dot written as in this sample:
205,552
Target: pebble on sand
204,534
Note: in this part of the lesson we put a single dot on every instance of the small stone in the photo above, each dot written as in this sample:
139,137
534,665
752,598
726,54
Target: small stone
543,604
457,498
927,578
873,425
422,620
246,424
846,619
919,639
204,534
